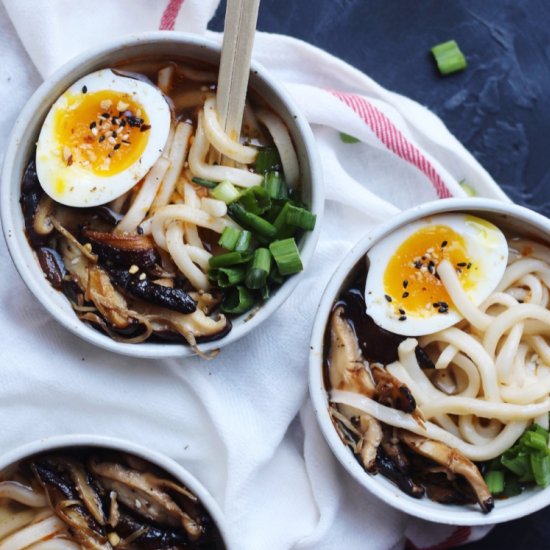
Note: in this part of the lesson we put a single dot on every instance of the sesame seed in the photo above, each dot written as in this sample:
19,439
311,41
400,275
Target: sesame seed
101,138
105,116
93,125
405,295
105,104
84,89
388,298
116,147
417,264
133,269
402,311
145,127
469,265
444,244
405,283
142,277
443,310
461,264
95,131
402,318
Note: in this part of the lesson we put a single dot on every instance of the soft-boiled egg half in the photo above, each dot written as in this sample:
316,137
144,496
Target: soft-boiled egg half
404,293
100,138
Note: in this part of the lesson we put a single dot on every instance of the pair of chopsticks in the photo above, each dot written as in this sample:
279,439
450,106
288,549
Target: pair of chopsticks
240,25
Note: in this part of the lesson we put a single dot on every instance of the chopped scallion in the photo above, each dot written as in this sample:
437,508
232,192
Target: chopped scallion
286,256
251,221
257,273
243,244
229,259
227,276
255,200
300,217
535,440
448,57
237,300
495,481
229,238
204,183
268,159
225,191
540,464
275,185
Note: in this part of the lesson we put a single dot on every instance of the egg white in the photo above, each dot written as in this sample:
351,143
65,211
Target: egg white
83,187
486,248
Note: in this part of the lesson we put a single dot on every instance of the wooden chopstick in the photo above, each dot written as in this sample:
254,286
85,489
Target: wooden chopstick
238,38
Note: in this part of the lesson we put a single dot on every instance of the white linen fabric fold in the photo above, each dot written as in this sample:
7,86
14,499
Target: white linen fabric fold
242,423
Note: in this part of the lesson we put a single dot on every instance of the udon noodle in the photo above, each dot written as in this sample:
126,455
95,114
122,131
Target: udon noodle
490,377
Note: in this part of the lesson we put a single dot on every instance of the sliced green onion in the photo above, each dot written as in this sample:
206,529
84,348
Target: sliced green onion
512,488
448,57
229,259
237,300
225,191
300,217
540,464
275,277
268,159
540,430
243,244
227,276
275,185
204,183
535,441
251,221
519,465
286,256
257,273
255,200
284,230
264,292
495,481
346,138
229,238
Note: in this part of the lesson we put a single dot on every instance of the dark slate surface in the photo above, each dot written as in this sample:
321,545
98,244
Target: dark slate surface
499,107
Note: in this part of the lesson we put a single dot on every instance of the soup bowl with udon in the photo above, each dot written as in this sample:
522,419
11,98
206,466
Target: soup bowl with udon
137,220
429,365
85,491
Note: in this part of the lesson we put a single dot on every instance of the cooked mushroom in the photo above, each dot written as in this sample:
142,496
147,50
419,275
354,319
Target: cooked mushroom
122,250
31,196
52,265
348,371
388,468
454,462
391,391
161,295
65,499
147,495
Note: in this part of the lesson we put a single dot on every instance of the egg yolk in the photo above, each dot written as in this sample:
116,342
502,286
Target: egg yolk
104,132
411,282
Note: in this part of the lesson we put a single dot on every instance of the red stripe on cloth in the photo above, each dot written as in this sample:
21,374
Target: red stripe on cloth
393,138
459,536
168,19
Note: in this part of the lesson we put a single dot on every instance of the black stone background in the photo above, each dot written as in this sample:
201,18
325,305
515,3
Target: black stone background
498,108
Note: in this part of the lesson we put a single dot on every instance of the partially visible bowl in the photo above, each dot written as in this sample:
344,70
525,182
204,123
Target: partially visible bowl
510,217
23,139
65,443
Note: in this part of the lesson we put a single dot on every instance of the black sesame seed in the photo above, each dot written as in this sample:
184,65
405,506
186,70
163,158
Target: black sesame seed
145,127
114,120
402,311
443,310
84,89
114,134
134,121
105,116
444,304
418,264
388,298
436,304
139,230
122,123
461,264
126,141
93,125
116,147
405,283
101,138
431,267
405,295
402,318
469,265
444,244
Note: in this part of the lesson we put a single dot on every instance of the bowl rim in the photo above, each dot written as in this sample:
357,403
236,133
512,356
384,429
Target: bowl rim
376,484
10,172
57,442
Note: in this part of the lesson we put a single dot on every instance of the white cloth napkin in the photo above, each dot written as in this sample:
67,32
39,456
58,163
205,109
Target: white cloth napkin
241,423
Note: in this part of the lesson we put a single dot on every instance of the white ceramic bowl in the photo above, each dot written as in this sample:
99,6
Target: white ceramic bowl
61,442
506,216
21,145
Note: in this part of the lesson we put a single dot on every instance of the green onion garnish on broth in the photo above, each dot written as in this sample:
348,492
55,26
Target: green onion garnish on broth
237,300
257,273
204,183
225,191
275,185
229,238
254,223
346,138
449,58
227,276
267,160
286,256
495,481
243,243
229,259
